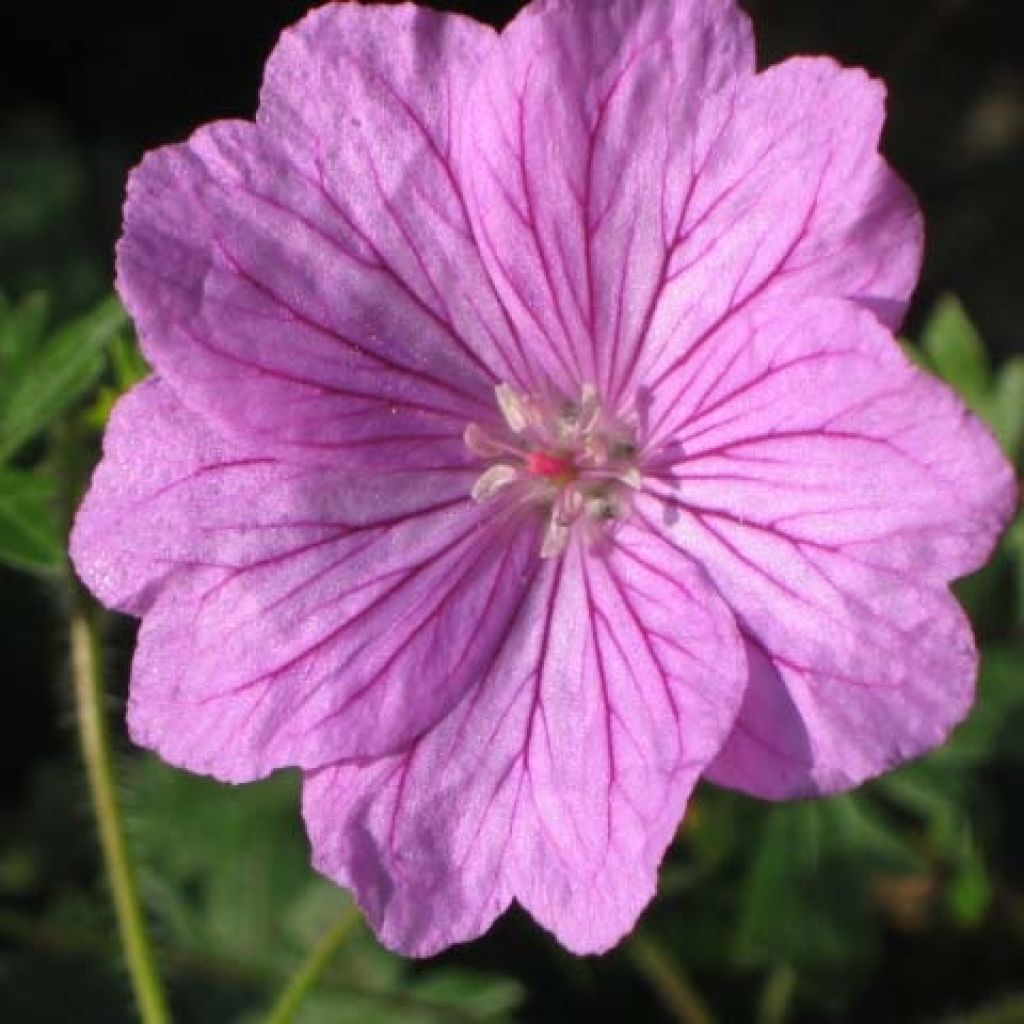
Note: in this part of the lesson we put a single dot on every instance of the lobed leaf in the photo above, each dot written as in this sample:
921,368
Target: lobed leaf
51,377
1007,408
805,897
955,349
21,329
29,536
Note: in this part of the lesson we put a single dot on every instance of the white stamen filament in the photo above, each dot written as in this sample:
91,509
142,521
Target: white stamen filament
479,442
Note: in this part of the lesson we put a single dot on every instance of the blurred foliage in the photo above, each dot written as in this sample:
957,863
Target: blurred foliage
42,374
952,348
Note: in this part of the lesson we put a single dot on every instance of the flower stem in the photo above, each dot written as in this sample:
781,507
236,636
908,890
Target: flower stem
304,979
95,741
671,983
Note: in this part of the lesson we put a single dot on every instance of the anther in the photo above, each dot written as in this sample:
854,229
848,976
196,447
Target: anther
513,408
556,537
492,480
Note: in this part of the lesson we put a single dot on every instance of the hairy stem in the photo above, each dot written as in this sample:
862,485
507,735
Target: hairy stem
305,978
95,741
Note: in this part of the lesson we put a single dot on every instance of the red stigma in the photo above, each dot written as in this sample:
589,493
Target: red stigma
550,466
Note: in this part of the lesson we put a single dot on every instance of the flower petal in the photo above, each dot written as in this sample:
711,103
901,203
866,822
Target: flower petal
293,615
560,780
634,185
311,280
792,200
576,149
831,491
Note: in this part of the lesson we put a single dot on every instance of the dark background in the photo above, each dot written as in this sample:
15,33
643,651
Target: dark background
85,89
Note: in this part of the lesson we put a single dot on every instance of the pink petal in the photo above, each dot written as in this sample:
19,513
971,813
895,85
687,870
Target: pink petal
794,201
577,147
831,491
310,281
634,185
293,615
560,780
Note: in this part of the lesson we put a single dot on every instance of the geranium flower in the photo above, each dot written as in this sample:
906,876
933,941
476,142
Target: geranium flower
528,439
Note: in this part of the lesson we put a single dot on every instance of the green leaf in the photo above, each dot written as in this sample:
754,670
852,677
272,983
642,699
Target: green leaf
970,890
915,355
223,866
806,896
129,365
934,789
954,348
782,918
29,537
354,1008
994,724
1007,408
21,330
441,996
54,375
485,996
1015,543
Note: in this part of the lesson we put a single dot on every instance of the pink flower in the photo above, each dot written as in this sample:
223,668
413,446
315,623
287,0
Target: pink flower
529,440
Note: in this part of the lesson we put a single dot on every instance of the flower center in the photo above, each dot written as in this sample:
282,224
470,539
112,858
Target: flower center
567,457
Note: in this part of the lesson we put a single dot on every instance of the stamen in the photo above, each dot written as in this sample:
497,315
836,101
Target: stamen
555,539
580,417
602,507
479,442
568,506
493,480
590,408
632,478
570,460
513,408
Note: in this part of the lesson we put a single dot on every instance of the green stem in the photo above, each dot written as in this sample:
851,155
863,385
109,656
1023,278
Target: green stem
305,978
670,981
95,741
